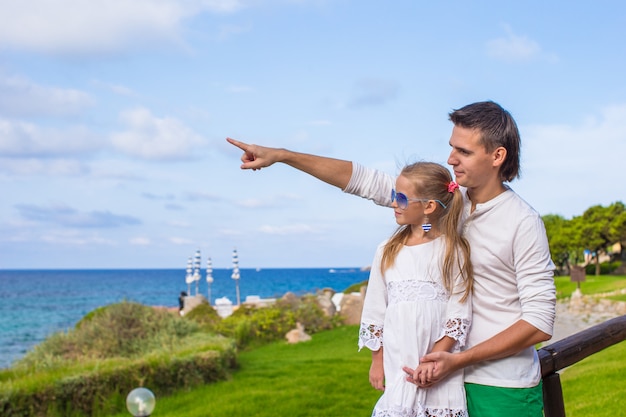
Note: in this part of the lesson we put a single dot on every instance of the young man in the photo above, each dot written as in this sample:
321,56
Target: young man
514,294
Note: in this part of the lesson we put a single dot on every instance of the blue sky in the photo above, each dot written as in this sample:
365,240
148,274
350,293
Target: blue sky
113,118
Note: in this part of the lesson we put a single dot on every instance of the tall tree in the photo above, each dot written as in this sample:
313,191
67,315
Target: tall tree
593,233
601,228
618,231
564,242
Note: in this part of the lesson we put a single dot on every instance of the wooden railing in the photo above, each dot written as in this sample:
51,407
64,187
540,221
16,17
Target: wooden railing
570,350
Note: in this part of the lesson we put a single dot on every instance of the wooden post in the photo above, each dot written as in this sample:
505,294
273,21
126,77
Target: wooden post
570,350
553,405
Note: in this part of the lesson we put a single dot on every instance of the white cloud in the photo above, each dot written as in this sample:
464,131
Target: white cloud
140,241
253,203
287,230
66,216
21,97
179,224
373,92
21,139
118,89
598,143
181,241
68,237
43,167
174,207
153,138
152,196
269,201
228,31
230,232
92,26
201,196
513,48
577,166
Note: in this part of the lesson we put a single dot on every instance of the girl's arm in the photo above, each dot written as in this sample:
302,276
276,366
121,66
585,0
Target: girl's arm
377,372
425,371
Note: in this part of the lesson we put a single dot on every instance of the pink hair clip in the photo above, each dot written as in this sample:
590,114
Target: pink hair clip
452,186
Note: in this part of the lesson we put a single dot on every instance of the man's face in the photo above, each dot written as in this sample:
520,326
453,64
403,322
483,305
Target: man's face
473,167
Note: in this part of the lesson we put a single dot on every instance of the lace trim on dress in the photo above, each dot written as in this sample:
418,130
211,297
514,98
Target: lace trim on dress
411,290
420,412
444,412
457,329
370,336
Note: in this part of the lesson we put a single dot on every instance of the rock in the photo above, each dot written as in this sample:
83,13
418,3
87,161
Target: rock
192,301
297,335
325,302
291,299
352,306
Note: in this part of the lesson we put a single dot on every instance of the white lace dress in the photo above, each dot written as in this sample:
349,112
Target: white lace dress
407,311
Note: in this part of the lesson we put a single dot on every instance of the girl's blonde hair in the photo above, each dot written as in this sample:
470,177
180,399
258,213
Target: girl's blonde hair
432,181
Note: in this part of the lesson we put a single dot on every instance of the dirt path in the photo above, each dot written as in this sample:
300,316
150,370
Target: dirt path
568,323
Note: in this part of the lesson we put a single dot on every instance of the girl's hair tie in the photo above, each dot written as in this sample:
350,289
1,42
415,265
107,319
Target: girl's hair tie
452,186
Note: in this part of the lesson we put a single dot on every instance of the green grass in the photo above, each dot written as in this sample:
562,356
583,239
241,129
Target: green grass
592,285
596,385
329,377
326,376
619,297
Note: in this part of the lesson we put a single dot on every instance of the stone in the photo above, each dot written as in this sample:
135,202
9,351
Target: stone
325,302
192,301
291,299
351,307
297,335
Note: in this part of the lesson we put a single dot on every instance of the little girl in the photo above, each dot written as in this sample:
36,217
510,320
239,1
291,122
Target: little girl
418,297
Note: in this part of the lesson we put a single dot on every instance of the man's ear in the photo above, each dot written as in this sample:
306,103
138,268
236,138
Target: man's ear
499,156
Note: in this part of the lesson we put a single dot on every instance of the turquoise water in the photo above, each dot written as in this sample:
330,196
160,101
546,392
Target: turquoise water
34,304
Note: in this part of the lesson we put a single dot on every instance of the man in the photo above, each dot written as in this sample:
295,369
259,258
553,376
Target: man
514,294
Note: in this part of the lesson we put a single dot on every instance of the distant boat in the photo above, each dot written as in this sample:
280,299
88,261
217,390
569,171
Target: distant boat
332,271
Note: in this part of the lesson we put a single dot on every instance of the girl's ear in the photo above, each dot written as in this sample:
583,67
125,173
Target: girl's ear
430,207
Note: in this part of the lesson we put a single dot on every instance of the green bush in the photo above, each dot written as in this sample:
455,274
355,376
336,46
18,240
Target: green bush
355,287
89,370
205,316
253,326
606,268
119,330
101,389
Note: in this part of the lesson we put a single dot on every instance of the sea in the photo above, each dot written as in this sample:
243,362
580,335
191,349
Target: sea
37,303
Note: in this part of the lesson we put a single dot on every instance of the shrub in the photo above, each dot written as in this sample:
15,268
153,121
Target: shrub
253,326
205,316
119,330
605,268
89,370
355,287
100,388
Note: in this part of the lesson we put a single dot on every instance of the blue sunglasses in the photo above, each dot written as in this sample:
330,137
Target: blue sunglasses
403,201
